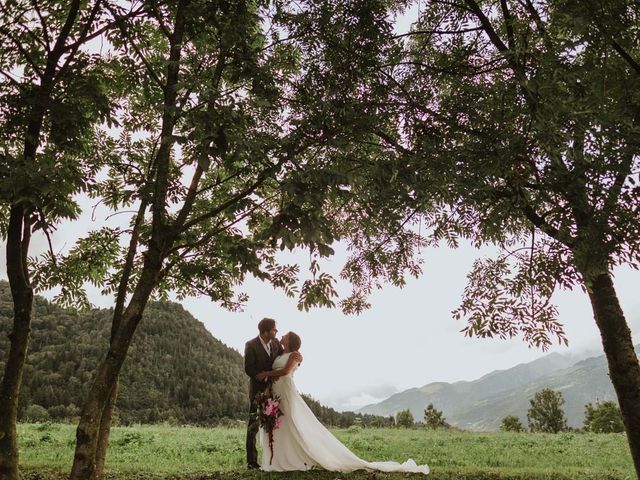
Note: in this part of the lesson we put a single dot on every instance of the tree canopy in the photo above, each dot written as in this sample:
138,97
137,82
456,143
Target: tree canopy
434,418
545,413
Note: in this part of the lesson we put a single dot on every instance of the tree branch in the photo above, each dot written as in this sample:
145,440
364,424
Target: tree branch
437,32
33,36
101,30
244,193
391,141
58,48
625,56
539,23
26,239
156,14
509,53
45,31
614,192
434,113
189,199
12,80
81,39
163,158
508,21
16,270
212,233
23,51
488,28
127,268
544,226
121,25
224,180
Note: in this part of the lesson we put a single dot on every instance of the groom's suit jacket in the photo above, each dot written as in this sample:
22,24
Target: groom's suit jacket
256,360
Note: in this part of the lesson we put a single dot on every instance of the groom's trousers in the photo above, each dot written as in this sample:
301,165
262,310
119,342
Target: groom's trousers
253,425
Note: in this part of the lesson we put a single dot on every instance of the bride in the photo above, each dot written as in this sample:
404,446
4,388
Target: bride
302,442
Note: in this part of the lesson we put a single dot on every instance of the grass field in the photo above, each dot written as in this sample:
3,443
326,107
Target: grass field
159,452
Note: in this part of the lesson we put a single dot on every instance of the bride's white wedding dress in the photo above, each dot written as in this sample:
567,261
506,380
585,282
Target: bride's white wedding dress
302,442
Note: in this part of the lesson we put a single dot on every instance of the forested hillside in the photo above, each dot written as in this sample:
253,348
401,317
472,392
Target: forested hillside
176,371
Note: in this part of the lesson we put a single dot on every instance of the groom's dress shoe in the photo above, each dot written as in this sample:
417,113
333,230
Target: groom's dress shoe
253,466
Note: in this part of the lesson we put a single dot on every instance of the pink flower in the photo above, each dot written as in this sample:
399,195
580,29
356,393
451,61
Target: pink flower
272,409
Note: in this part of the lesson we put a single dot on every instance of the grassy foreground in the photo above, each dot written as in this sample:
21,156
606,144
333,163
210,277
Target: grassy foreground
159,452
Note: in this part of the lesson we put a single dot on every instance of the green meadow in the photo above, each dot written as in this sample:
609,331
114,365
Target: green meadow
164,452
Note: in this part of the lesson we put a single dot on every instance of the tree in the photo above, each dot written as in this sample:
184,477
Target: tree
504,135
53,93
511,423
434,418
524,159
604,417
545,413
404,419
222,158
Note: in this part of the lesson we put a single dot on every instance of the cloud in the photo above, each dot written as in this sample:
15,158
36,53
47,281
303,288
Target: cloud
353,399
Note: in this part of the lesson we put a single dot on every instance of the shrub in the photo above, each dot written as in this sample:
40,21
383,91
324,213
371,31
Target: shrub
511,423
404,418
36,413
605,417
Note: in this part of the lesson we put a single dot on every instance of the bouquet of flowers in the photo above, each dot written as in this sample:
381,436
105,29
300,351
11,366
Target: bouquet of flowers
269,414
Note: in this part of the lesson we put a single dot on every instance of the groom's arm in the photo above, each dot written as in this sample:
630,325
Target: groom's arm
250,363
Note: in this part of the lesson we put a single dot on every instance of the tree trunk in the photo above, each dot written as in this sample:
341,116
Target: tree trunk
107,413
103,432
85,460
95,420
18,237
624,368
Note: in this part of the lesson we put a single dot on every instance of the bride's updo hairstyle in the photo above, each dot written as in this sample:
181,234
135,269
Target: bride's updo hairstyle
294,342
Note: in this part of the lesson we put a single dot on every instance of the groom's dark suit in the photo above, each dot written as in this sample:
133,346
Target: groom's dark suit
256,360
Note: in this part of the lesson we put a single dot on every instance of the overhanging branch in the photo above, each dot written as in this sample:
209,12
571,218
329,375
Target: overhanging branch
625,56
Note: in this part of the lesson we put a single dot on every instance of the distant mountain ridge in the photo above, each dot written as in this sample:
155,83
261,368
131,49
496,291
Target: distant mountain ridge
481,404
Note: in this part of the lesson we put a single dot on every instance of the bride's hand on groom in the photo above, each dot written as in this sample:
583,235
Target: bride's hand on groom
262,376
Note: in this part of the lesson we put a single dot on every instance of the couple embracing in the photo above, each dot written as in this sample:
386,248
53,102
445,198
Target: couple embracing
301,442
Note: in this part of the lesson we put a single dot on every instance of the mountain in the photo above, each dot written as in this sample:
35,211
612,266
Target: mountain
176,371
481,404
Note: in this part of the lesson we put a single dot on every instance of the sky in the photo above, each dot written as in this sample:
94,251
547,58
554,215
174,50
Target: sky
408,338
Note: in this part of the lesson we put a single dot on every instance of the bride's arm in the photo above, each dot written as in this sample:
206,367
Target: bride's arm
294,358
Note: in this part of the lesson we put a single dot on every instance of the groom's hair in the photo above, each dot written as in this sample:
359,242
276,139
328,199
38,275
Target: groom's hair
294,342
266,324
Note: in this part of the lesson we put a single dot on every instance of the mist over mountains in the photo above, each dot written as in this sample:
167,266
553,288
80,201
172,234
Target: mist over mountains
481,404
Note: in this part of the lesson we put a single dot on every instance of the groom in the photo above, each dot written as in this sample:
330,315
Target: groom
259,354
